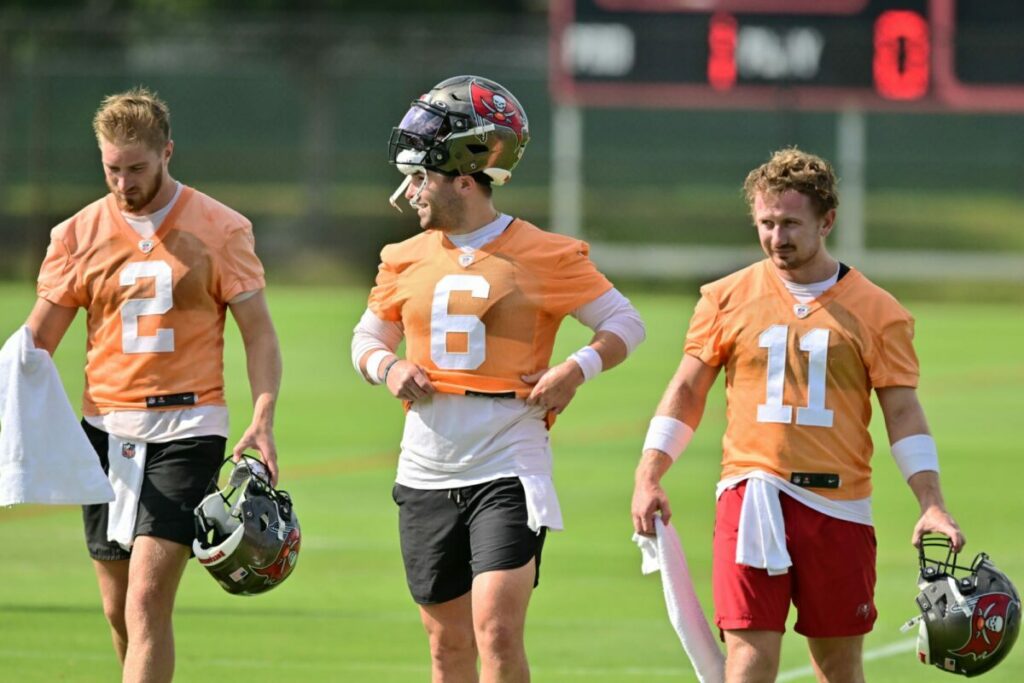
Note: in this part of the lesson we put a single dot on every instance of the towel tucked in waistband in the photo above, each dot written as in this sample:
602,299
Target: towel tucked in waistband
127,463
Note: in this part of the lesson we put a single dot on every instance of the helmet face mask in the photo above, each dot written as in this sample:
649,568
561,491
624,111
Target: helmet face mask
247,534
970,615
465,125
418,134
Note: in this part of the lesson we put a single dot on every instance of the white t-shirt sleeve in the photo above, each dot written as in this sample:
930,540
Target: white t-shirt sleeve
244,296
613,312
374,334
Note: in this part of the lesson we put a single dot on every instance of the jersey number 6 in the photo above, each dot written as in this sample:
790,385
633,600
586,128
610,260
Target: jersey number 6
442,323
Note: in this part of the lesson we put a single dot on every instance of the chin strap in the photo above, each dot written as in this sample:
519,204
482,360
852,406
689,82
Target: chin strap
911,623
393,199
409,171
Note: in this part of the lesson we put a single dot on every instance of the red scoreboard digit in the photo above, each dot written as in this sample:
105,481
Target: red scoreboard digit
815,54
722,52
902,55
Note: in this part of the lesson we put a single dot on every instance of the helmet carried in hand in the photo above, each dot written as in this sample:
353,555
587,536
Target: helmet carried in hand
970,616
247,534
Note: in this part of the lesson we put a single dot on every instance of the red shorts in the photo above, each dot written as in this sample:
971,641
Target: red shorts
831,582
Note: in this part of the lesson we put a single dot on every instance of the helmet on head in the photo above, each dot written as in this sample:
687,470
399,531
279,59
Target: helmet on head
970,616
247,534
465,125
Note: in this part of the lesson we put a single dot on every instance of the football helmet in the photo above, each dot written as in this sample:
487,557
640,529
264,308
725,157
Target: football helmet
247,534
970,615
465,125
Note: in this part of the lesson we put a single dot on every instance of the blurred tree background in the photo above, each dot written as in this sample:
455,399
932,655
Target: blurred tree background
283,108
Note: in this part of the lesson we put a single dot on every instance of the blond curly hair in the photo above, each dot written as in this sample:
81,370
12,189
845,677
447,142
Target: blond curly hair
794,169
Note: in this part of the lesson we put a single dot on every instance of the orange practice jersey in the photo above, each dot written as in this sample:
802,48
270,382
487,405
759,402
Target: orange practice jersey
798,377
476,323
155,308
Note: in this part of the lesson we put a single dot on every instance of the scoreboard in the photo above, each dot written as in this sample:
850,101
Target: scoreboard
811,54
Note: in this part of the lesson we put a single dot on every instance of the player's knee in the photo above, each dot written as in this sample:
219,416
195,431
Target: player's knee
448,653
839,667
452,644
148,603
114,612
497,638
752,660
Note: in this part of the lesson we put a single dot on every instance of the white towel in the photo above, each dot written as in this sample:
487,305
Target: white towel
761,542
45,456
542,508
684,611
127,463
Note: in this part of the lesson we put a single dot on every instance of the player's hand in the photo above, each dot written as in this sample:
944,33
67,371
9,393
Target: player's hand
649,499
554,388
409,382
259,437
936,520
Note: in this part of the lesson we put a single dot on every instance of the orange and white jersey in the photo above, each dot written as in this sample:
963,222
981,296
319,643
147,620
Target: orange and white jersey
476,322
155,307
798,376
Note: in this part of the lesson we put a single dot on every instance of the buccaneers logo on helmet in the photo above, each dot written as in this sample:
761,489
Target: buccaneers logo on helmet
988,620
281,567
496,108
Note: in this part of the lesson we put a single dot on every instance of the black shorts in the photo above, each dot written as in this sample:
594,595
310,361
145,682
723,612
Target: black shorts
450,535
175,480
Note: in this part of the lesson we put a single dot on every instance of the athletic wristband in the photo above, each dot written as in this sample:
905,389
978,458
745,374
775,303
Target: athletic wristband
668,435
589,361
373,365
915,454
387,369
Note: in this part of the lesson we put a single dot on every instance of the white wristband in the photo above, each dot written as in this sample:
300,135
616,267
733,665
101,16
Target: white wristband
915,454
373,365
589,361
668,435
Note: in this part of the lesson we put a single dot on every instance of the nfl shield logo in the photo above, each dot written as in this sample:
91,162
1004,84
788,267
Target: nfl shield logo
127,450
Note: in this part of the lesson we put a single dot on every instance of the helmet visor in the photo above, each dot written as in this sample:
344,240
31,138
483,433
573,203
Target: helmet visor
421,130
422,121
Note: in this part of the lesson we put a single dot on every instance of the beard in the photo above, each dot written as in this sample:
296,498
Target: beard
793,257
787,260
442,213
137,202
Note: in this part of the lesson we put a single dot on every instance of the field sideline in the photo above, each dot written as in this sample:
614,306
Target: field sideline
345,615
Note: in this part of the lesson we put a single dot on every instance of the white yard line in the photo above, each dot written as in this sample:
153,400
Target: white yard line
889,650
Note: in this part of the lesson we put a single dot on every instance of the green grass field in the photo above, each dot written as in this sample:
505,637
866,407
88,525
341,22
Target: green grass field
345,614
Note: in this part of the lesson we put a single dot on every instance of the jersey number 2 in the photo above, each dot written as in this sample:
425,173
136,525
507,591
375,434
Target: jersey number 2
159,303
815,343
442,323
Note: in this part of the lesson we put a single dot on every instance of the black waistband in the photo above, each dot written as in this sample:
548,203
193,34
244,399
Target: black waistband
186,399
815,480
496,394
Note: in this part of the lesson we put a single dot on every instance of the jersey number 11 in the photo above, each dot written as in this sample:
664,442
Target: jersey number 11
815,343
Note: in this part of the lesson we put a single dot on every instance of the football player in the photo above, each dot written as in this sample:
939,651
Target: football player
156,265
478,296
803,340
